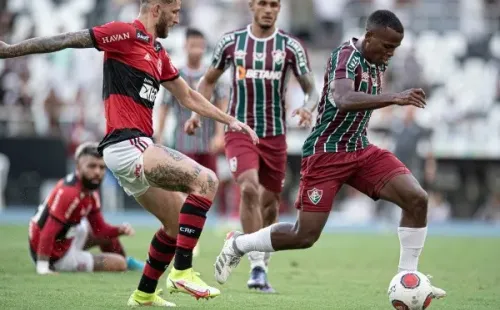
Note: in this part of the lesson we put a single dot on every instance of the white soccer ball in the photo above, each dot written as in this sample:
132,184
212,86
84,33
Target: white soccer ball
410,290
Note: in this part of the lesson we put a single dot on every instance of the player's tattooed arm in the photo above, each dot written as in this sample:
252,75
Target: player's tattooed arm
41,45
308,85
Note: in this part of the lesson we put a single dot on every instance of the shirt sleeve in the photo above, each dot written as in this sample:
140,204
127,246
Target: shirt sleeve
222,52
299,57
116,37
64,203
97,222
344,64
169,71
47,236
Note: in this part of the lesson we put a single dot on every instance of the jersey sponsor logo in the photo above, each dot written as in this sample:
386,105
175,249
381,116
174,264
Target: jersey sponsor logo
148,91
315,195
138,171
240,54
353,62
278,56
242,73
222,43
159,65
142,36
258,56
301,56
116,38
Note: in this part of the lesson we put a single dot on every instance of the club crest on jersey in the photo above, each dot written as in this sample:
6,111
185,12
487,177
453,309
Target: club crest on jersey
233,164
365,76
315,195
278,56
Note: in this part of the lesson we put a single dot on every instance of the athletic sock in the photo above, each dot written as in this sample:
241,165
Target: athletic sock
259,241
256,260
412,242
161,252
191,221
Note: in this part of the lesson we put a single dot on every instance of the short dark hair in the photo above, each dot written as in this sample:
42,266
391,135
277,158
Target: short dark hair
385,19
87,148
146,2
193,32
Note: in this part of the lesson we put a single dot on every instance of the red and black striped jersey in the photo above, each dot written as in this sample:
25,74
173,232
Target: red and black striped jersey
134,67
51,229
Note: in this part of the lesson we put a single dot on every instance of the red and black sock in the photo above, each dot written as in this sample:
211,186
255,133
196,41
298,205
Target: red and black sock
112,245
161,252
191,221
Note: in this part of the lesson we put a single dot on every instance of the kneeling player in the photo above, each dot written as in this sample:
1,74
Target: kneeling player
69,221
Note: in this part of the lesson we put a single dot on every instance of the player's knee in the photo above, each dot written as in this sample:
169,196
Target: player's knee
307,240
206,184
121,264
418,204
249,190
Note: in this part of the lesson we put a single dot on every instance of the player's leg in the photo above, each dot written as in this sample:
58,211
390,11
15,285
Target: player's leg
172,171
321,178
384,176
273,156
113,245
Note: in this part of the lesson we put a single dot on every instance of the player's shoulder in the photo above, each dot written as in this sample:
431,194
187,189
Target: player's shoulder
291,40
70,185
347,53
228,37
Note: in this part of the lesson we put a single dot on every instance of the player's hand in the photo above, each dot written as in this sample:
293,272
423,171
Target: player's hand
216,144
236,125
305,116
191,124
126,229
414,96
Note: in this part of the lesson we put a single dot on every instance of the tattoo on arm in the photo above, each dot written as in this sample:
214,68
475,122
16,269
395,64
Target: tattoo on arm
308,85
79,39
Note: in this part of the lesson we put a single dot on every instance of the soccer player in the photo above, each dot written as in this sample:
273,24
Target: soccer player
337,151
59,233
261,56
202,146
135,65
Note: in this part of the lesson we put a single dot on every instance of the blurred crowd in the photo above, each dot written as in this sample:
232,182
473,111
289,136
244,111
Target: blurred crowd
451,50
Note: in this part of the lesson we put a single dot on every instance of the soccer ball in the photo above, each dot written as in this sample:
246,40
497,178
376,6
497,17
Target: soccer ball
410,290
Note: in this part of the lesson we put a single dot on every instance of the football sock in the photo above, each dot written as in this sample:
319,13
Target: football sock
191,221
412,242
256,260
267,258
258,241
112,245
161,252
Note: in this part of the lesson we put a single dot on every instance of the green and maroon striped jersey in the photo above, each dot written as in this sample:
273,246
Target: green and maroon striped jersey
260,72
337,131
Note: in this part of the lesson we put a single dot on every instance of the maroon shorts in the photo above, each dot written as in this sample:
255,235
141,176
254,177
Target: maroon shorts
322,176
206,160
268,157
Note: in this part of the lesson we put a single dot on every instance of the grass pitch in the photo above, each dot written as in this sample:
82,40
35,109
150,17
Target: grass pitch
341,271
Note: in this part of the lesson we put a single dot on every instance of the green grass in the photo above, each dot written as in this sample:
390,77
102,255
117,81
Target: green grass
339,272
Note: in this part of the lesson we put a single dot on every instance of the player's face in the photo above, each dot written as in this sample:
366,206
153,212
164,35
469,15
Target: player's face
381,44
168,16
91,171
265,12
195,48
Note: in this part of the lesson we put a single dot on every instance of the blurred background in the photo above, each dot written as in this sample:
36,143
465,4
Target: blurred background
51,103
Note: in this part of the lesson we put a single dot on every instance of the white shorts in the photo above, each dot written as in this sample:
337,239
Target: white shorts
125,160
76,259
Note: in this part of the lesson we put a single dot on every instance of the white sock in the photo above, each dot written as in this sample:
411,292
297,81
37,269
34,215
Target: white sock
256,260
259,241
412,242
267,258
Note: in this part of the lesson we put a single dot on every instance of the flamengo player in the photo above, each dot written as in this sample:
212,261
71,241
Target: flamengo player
337,151
135,66
59,234
261,57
